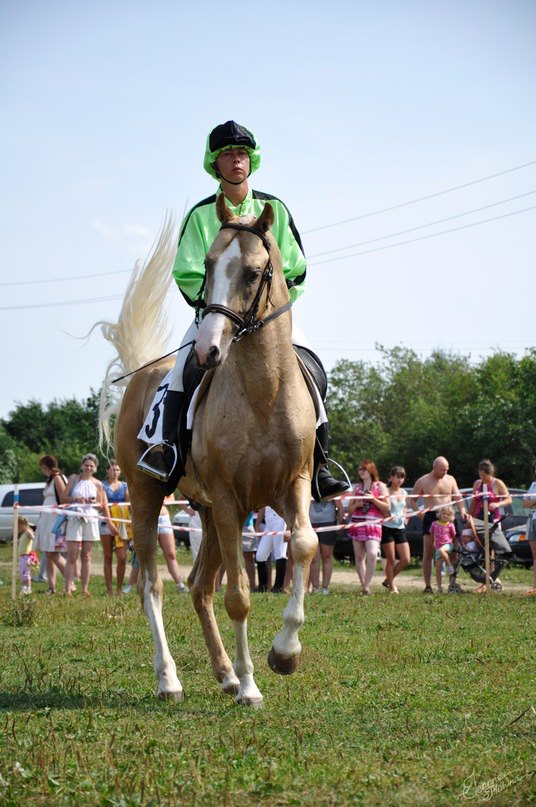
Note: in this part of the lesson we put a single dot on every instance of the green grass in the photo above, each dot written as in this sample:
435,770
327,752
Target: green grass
397,701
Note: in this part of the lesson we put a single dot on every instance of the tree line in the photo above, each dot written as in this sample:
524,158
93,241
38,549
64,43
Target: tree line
401,409
408,410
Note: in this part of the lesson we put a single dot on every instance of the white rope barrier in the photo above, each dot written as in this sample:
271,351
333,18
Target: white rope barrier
65,510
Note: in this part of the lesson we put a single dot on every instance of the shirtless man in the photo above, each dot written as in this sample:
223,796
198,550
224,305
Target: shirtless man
439,487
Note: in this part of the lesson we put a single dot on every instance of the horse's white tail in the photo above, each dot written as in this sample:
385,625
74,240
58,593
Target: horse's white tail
142,331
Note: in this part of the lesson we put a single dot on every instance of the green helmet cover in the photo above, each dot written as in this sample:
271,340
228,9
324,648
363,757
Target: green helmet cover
230,135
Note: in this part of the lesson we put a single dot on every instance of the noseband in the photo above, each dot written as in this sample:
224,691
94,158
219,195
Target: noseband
249,323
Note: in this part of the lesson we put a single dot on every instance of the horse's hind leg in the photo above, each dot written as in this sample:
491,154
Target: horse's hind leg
151,589
201,581
286,648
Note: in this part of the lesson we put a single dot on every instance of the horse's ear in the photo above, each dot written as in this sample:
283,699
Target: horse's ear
266,219
222,211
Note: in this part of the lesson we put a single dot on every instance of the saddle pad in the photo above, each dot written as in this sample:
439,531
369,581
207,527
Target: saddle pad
151,431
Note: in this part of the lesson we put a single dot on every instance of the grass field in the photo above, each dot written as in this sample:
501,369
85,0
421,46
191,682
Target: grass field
398,701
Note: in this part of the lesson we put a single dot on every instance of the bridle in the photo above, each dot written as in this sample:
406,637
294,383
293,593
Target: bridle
249,323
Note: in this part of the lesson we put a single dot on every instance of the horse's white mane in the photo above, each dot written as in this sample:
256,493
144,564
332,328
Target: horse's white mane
141,333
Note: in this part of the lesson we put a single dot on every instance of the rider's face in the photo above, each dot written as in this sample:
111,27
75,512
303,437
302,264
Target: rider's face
233,164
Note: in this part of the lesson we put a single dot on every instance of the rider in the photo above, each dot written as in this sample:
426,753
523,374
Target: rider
231,155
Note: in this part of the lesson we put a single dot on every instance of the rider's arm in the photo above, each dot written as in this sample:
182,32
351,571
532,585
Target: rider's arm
198,231
288,241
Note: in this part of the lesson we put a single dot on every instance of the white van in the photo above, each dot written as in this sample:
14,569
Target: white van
30,495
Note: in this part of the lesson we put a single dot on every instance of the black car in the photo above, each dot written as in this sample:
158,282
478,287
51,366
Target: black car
517,538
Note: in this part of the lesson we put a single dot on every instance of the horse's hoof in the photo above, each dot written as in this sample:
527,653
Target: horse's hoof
177,695
254,703
284,665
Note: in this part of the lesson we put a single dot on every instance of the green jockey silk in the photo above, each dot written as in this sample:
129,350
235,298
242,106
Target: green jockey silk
201,226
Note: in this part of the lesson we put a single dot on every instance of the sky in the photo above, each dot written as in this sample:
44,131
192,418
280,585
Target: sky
360,109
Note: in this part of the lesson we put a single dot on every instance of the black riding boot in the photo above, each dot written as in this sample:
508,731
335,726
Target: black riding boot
262,574
160,459
280,569
324,486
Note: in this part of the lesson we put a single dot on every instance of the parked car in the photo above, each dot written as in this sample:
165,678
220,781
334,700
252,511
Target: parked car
514,516
30,495
517,538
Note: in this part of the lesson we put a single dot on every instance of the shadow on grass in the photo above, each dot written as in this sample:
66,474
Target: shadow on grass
55,698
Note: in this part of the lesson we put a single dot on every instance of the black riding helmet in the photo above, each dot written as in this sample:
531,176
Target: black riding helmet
230,135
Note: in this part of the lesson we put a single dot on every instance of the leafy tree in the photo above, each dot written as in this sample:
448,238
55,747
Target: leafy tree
408,410
68,429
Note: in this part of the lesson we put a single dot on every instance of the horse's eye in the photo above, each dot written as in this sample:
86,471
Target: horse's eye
252,276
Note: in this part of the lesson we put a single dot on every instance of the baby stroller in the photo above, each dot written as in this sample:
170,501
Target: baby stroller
471,555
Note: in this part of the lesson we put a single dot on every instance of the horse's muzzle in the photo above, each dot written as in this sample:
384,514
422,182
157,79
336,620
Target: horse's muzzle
207,360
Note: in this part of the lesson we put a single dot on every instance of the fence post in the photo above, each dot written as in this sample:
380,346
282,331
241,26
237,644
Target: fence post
14,570
486,537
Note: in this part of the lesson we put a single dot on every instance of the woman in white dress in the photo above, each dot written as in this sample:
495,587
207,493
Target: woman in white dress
46,541
86,495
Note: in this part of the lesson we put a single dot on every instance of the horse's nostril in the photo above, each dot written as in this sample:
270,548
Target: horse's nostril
214,353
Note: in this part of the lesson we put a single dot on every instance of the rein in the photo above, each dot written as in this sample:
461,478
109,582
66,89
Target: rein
249,323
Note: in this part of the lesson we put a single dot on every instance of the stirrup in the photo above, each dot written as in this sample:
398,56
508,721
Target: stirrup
314,481
159,473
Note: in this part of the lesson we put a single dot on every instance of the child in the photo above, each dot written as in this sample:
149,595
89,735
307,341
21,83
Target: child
470,537
26,555
443,532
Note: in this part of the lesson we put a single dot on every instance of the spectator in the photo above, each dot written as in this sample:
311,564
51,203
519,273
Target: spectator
195,529
497,496
370,505
530,503
323,515
274,541
435,488
394,529
443,534
26,554
250,543
117,494
166,539
46,541
82,493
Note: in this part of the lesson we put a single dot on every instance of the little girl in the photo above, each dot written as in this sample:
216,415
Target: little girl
443,532
26,554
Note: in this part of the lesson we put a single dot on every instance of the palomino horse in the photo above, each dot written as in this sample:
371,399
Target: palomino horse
252,444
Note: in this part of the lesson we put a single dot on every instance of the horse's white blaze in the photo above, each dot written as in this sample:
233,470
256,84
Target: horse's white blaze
243,667
164,665
212,326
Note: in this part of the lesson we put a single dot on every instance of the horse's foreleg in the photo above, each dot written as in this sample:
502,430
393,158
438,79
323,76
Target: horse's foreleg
151,592
237,603
286,648
202,582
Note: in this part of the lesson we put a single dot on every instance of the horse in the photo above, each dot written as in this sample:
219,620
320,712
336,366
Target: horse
252,442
